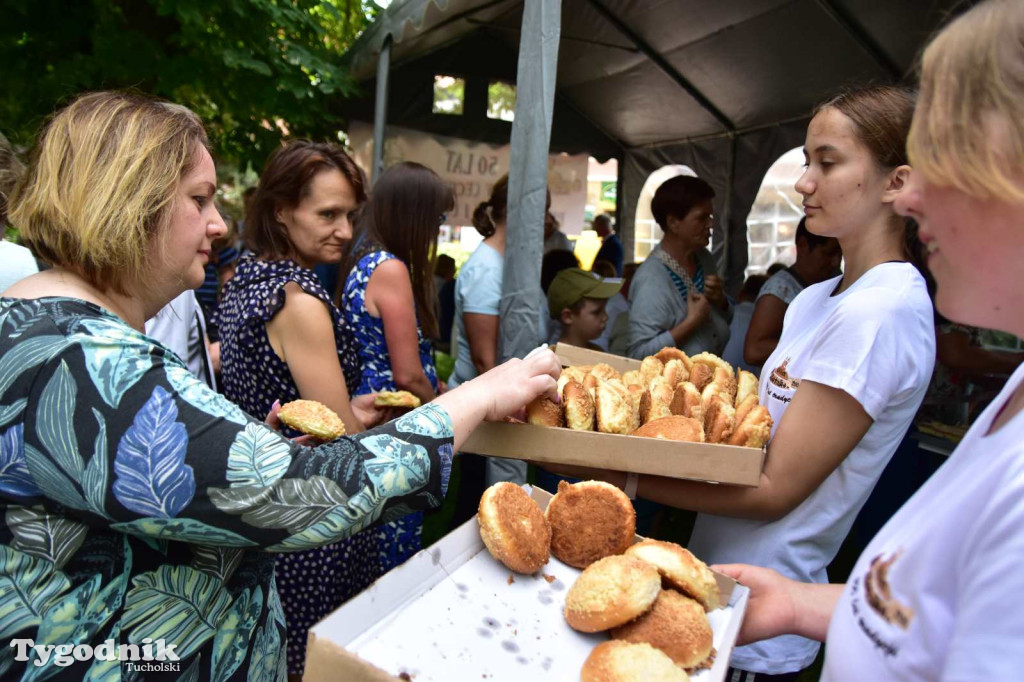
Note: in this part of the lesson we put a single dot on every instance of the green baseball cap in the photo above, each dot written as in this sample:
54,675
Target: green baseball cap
569,286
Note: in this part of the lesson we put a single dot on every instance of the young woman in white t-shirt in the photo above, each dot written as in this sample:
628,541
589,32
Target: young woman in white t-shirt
848,375
936,594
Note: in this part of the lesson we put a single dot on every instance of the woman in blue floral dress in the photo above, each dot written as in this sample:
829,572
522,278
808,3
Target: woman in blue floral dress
387,300
135,502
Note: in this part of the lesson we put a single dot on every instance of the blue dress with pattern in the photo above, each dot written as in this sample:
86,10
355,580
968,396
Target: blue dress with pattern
376,375
312,583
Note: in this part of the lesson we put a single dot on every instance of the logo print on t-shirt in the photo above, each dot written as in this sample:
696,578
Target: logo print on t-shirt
879,596
780,377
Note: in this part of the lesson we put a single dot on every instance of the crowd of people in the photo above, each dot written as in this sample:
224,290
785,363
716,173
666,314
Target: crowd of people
146,347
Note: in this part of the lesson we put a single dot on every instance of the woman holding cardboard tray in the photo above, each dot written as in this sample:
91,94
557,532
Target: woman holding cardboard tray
846,379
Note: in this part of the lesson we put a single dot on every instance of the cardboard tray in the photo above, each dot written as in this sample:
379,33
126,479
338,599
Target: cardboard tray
710,462
452,613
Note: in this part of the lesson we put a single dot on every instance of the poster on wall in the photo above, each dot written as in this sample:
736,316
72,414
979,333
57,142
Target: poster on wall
472,168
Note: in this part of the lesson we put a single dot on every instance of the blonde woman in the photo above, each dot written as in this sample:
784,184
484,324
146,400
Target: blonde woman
139,503
936,594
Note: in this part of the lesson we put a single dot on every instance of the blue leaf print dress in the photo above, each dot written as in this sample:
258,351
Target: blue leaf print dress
312,583
137,503
405,538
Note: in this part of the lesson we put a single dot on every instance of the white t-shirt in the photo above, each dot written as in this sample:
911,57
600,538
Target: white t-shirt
16,263
876,342
937,594
477,290
180,327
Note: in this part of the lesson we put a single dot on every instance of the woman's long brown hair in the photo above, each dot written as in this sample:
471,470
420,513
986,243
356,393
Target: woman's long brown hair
404,216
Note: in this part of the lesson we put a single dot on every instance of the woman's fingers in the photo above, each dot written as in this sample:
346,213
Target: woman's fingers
272,420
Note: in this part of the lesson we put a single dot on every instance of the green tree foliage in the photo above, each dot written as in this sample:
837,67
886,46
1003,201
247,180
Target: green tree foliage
501,100
254,70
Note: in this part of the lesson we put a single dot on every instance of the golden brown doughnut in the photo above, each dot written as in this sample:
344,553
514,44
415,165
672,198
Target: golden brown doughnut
701,374
611,592
309,416
604,372
614,411
542,411
651,367
714,361
673,428
675,371
755,429
514,528
746,385
656,401
749,403
579,407
633,378
677,625
397,399
686,402
589,521
671,353
570,374
619,661
680,569
719,420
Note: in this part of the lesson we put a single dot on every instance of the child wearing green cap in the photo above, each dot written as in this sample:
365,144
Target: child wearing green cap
576,298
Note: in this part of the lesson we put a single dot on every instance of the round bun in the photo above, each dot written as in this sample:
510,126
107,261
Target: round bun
614,410
579,407
633,378
604,372
687,402
651,367
744,406
714,361
680,569
397,399
673,428
701,374
754,430
675,371
513,528
611,592
570,374
672,353
619,661
589,521
544,412
309,416
719,420
656,401
746,385
677,625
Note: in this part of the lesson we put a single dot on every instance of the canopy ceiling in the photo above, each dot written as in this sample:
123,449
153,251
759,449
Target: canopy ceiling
633,74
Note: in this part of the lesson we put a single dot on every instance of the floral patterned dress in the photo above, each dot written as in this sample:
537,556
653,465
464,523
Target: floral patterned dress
376,375
313,583
137,503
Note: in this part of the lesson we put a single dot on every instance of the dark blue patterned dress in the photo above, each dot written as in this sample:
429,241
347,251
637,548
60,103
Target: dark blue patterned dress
376,375
312,583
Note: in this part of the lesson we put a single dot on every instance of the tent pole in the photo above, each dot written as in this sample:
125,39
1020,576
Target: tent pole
727,227
380,109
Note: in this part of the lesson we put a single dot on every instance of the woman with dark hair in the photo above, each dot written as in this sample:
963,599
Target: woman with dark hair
282,339
817,259
387,302
677,297
846,379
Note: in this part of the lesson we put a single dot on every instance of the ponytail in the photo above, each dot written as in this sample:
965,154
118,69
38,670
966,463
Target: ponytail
494,210
482,220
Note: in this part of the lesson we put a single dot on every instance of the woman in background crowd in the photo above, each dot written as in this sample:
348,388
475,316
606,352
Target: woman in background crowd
164,504
676,297
930,597
282,339
387,303
817,259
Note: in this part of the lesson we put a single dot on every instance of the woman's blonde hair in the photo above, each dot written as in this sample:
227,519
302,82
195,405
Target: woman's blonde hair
968,130
101,183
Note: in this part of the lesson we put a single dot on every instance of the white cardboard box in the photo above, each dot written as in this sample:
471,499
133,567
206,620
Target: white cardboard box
451,613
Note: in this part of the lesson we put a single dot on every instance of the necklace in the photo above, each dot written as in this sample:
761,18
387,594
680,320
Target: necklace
678,270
